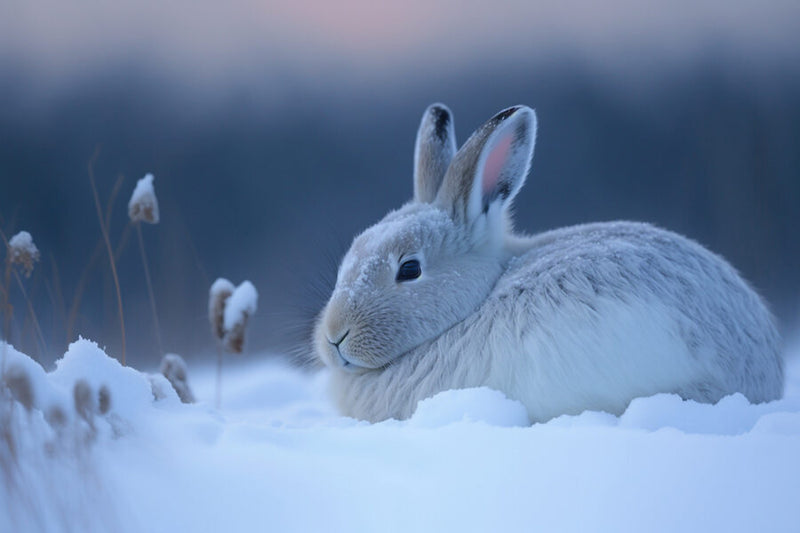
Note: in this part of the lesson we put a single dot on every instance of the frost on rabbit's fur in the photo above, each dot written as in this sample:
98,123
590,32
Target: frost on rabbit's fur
441,294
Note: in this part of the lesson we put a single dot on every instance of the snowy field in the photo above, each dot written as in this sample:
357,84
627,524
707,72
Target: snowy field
276,457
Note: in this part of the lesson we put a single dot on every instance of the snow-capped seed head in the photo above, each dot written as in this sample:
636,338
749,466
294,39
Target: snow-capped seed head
22,251
173,367
19,383
104,400
238,309
217,296
84,403
143,205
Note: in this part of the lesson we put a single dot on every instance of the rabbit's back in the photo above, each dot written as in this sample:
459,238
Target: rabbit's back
616,310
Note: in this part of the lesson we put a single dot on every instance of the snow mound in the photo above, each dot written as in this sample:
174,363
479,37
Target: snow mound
131,390
469,405
278,457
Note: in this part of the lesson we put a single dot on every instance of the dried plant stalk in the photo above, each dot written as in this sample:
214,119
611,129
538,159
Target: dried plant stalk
143,207
156,323
219,293
104,230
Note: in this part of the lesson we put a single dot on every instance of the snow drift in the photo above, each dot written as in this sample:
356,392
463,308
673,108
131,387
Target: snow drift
277,458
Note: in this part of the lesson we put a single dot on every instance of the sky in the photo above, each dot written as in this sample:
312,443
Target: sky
203,42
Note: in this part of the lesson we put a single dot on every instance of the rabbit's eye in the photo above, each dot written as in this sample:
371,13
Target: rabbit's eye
409,270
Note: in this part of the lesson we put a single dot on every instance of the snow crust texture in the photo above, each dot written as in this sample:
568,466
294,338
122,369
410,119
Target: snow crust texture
88,447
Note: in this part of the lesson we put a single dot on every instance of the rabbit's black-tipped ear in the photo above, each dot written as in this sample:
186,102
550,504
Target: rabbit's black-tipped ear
435,148
491,167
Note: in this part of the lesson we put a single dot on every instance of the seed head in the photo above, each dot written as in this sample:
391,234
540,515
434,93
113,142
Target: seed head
22,251
173,367
143,205
217,296
238,309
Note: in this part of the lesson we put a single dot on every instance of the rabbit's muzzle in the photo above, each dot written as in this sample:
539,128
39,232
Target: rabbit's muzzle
337,347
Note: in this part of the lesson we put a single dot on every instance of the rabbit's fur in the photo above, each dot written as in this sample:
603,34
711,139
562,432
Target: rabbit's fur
584,317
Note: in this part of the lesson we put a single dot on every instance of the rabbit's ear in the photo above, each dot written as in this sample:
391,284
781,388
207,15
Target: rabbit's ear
435,148
491,167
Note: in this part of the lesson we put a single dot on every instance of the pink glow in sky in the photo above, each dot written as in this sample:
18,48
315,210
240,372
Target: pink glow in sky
215,39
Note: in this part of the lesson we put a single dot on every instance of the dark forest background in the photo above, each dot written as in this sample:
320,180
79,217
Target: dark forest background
272,189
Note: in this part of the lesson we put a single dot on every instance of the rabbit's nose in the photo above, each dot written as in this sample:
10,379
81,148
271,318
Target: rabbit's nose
344,360
341,338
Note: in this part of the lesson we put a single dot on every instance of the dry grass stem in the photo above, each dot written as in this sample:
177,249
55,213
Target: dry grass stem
149,288
219,293
113,196
104,230
143,207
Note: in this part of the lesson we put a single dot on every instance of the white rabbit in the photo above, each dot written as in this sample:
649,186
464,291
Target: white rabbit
441,294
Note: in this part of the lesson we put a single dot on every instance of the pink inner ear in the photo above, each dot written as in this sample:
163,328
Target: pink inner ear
494,163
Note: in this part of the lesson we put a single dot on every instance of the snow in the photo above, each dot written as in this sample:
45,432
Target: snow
278,458
470,405
143,205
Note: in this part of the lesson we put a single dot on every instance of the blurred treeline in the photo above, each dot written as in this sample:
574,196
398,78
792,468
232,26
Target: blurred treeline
273,190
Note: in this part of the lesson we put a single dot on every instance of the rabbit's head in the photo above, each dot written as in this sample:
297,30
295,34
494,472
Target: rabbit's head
429,265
